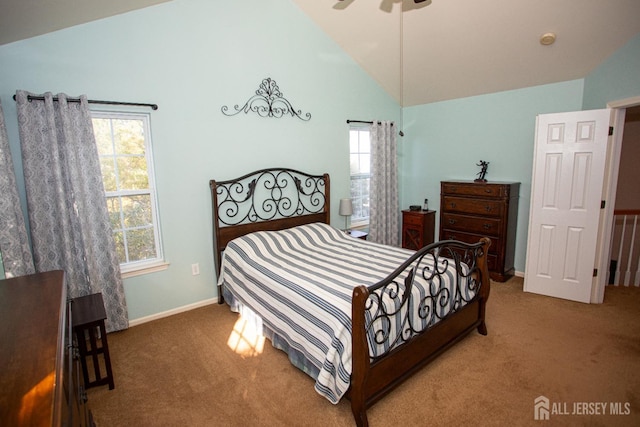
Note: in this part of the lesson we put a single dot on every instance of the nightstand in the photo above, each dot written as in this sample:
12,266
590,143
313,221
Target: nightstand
358,234
417,228
88,322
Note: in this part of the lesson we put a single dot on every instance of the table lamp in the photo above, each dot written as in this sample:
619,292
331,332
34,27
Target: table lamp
346,210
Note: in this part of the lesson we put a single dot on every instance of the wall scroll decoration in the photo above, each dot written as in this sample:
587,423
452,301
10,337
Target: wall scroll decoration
268,102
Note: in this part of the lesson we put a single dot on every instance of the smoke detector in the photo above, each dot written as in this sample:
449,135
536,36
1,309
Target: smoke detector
547,38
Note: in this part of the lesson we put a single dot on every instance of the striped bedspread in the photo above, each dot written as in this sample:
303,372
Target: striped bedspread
300,281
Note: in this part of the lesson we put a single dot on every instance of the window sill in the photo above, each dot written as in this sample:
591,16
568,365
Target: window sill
360,226
146,269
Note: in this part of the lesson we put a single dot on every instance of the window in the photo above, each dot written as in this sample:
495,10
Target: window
360,159
124,146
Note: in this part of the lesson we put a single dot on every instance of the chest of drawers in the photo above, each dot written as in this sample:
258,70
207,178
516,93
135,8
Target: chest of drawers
39,381
471,210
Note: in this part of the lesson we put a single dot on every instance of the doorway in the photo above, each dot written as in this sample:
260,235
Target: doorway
624,269
625,112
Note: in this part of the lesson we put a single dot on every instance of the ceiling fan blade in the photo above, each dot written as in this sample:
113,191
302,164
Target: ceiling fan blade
386,5
342,4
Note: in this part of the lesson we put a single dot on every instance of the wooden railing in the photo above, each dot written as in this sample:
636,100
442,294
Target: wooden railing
625,248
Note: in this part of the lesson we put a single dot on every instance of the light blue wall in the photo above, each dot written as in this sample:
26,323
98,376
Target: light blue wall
445,140
616,78
192,57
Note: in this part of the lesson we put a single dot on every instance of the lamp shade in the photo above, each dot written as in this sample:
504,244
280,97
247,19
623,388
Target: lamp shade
346,207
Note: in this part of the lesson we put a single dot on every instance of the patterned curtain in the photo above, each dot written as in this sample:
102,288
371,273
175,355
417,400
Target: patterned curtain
14,242
70,228
384,221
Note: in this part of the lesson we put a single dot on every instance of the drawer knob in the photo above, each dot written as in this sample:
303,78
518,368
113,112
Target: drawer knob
453,205
488,208
487,190
84,397
487,226
452,221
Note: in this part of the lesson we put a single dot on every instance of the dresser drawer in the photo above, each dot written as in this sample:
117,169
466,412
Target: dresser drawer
492,259
475,189
472,224
469,238
411,218
473,206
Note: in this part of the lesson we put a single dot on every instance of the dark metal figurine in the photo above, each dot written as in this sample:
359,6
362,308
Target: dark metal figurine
483,171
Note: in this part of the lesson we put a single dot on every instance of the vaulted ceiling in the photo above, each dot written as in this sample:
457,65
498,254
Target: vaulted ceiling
419,53
21,19
451,49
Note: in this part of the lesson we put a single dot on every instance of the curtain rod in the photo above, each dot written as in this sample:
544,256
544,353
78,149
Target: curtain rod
94,101
361,121
370,123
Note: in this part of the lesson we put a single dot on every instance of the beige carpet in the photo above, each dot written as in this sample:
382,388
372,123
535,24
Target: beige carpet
181,371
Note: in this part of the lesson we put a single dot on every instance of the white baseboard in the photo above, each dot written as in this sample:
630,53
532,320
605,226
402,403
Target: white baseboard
145,319
203,303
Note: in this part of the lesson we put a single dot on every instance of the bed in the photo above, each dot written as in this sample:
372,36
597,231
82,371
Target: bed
357,316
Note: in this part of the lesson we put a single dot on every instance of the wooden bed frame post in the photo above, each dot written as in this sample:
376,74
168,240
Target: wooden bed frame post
217,251
360,357
327,198
485,286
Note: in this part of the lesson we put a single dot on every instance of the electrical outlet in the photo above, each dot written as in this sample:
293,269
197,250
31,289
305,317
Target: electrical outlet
195,269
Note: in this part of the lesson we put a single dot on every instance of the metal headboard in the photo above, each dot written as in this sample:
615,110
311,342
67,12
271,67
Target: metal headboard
267,199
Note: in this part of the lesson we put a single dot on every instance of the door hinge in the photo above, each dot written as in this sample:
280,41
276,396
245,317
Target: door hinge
602,203
595,272
610,130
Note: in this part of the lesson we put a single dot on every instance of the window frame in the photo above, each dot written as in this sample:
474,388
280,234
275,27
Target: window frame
135,268
363,223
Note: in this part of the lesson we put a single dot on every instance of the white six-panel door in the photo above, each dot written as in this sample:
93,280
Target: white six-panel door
566,190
